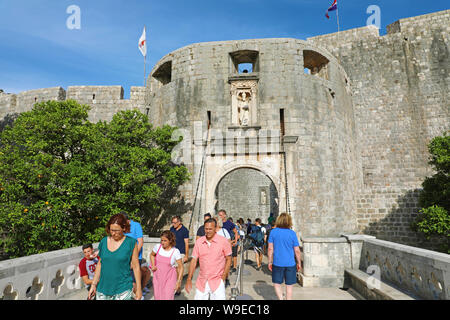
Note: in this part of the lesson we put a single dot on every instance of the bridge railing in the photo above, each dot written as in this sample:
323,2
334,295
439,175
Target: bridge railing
419,272
238,288
48,276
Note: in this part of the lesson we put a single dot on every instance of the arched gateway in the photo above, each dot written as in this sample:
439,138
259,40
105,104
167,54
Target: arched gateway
247,193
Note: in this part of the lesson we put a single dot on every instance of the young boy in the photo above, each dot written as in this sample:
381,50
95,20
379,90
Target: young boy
88,265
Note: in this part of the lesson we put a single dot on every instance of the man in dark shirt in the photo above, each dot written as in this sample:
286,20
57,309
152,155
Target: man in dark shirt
231,228
181,238
201,229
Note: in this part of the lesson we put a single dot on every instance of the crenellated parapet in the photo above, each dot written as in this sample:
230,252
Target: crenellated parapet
105,101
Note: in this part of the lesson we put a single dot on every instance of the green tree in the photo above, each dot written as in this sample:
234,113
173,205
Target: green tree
62,177
433,219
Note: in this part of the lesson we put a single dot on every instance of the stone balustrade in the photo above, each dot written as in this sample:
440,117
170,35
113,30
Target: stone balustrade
47,276
419,273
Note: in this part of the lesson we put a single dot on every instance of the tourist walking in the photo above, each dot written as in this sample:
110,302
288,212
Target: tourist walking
166,264
182,240
258,234
284,255
240,226
112,279
214,254
181,236
230,226
220,230
137,233
88,265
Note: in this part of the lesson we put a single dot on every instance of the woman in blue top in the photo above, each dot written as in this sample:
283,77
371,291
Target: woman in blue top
283,252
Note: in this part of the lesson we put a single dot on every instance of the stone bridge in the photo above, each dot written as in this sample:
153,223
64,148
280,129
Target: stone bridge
350,267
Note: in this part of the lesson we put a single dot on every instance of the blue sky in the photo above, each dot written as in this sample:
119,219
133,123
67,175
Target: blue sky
37,50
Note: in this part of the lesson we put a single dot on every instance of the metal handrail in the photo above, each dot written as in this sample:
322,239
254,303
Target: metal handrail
238,288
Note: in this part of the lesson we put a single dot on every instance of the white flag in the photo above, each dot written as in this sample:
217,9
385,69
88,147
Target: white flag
143,44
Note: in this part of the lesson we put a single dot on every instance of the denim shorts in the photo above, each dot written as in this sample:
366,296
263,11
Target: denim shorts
284,274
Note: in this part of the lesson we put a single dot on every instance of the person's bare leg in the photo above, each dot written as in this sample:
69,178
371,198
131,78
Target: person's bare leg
145,276
278,291
289,292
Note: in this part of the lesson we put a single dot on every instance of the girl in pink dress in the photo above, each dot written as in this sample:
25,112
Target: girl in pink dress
166,264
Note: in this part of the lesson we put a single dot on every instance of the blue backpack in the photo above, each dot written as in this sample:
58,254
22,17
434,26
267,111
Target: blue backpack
257,236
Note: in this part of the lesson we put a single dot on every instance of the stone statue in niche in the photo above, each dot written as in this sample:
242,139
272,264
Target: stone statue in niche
263,199
243,108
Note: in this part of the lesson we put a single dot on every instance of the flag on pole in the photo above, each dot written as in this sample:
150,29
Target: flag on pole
143,44
331,8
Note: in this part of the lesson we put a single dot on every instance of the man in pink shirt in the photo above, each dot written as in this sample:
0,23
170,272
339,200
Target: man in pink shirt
214,254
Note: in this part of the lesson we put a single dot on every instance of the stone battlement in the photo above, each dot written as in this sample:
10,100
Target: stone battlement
104,100
418,24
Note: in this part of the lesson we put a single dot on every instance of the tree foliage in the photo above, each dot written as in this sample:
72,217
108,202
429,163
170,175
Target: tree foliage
434,218
62,177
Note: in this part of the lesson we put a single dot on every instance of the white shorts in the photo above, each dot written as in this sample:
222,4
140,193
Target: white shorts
219,294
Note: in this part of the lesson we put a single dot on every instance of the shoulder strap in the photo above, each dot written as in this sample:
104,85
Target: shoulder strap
160,245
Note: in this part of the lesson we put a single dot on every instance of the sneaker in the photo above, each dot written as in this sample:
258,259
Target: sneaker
177,293
227,283
233,270
145,291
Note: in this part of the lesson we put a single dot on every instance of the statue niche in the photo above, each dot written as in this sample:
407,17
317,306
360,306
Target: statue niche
243,112
244,108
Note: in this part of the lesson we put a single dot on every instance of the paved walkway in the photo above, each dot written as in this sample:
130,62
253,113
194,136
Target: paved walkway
257,286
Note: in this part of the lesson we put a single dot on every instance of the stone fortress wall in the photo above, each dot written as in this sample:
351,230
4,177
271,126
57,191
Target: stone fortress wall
401,92
356,127
321,163
105,101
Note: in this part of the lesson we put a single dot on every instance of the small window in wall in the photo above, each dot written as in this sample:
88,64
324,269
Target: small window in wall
164,73
315,64
244,60
245,68
208,113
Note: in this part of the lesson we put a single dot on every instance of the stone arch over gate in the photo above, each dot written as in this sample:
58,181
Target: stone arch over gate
247,193
274,189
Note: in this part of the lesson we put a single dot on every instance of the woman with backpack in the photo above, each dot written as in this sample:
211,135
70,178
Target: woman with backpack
284,255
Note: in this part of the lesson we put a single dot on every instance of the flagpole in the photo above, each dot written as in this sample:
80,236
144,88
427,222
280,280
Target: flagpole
145,55
144,70
337,15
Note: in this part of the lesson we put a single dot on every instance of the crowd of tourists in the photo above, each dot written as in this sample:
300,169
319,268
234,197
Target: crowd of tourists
117,270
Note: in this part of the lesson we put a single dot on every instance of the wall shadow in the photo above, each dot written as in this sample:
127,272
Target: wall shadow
396,224
8,120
